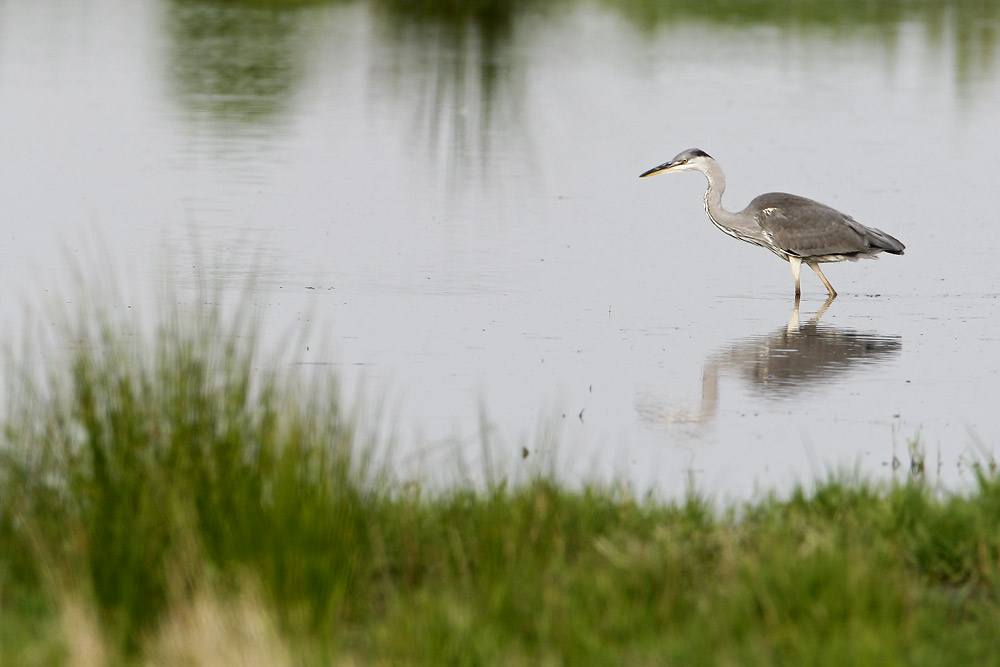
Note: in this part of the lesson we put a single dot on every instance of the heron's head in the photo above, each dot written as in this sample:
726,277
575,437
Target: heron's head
692,159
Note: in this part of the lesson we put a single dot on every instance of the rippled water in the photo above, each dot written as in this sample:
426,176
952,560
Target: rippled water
452,202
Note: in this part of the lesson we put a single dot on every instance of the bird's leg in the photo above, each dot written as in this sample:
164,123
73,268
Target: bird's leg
829,288
796,264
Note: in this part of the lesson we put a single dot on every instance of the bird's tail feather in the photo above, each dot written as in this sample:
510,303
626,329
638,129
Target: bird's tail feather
879,239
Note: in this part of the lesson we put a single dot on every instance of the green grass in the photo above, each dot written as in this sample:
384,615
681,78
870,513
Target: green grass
171,499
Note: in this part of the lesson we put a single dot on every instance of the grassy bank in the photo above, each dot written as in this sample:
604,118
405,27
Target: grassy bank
171,499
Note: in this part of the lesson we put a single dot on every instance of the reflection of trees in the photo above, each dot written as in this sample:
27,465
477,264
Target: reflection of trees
976,31
452,62
447,61
793,359
971,27
801,13
234,61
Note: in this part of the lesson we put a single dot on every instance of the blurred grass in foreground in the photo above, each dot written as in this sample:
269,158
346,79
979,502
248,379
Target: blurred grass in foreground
169,498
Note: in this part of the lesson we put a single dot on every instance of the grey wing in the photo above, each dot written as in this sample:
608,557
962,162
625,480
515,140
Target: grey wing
806,228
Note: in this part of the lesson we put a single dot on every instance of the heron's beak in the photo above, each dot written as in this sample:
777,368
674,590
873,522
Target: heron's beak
656,170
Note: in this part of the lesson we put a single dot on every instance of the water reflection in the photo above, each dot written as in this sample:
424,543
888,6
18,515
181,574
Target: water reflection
795,358
456,65
970,28
234,61
237,66
452,64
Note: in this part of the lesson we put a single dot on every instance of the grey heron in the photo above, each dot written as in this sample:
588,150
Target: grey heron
794,228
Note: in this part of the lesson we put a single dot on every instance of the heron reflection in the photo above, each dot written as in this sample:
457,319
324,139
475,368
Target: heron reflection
797,356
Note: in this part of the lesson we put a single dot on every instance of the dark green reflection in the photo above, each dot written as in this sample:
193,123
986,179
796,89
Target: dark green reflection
806,13
650,13
451,62
235,60
242,60
970,27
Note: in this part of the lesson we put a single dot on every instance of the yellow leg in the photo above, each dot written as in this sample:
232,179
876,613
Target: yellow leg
829,288
796,264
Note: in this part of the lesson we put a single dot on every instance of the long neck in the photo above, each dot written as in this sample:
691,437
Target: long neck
713,195
733,224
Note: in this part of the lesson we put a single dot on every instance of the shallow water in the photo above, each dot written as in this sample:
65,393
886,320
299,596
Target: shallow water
452,203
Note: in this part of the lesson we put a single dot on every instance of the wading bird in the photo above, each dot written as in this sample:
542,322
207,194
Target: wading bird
794,228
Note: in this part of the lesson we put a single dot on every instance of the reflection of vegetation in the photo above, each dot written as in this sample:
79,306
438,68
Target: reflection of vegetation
806,13
452,60
649,13
234,60
974,23
977,28
242,59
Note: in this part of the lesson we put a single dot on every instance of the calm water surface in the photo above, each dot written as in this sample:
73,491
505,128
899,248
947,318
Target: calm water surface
452,203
